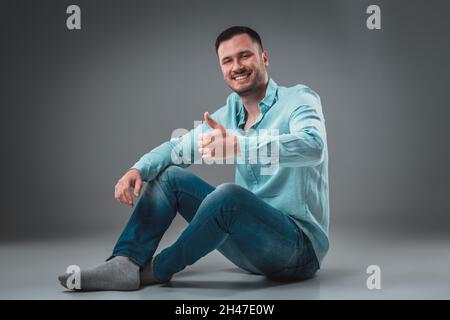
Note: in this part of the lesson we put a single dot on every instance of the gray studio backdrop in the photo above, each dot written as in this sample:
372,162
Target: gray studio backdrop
80,107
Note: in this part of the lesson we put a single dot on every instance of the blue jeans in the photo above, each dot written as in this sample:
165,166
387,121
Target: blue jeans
249,232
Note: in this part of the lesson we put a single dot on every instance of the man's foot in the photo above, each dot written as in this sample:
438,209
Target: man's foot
119,273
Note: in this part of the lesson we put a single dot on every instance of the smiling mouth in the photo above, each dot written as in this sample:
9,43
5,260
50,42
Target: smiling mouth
241,77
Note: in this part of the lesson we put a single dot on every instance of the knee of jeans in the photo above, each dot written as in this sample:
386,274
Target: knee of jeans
223,203
229,194
229,189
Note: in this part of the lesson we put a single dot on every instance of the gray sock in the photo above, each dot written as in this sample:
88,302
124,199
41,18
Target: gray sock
146,274
118,273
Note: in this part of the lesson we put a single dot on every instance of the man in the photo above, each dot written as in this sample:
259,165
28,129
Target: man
273,223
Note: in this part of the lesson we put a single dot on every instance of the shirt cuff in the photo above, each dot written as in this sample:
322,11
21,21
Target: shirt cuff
142,170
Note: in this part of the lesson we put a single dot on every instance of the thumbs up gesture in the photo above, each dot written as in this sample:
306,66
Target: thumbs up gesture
217,144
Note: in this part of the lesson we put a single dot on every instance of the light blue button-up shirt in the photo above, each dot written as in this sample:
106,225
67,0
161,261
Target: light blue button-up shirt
290,169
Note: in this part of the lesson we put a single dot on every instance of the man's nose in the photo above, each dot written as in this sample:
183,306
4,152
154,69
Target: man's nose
237,67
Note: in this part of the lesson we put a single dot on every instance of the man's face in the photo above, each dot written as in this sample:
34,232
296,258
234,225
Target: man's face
243,64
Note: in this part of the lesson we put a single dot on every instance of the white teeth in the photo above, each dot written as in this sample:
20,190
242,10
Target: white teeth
241,77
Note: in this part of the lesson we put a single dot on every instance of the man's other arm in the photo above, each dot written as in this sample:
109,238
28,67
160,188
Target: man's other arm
303,145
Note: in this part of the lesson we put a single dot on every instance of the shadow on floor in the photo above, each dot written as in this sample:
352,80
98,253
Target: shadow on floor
249,282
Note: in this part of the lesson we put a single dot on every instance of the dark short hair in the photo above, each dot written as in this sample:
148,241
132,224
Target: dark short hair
235,30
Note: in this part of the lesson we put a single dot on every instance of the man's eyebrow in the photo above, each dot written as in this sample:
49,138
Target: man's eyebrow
245,51
239,53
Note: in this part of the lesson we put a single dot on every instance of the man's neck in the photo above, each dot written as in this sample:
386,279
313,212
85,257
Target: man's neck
251,101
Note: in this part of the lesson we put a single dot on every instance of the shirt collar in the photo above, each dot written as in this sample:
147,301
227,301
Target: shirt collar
268,101
271,95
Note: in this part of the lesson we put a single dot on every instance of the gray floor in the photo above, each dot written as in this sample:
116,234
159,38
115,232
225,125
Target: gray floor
412,267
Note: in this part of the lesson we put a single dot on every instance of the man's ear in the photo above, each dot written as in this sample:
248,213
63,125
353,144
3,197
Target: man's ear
265,58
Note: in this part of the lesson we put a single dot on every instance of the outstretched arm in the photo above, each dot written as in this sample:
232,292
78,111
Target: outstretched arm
180,151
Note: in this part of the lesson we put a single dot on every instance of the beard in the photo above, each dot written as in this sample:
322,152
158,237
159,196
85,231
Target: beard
252,87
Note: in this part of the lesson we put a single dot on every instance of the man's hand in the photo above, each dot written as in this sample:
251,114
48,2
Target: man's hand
122,190
217,144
